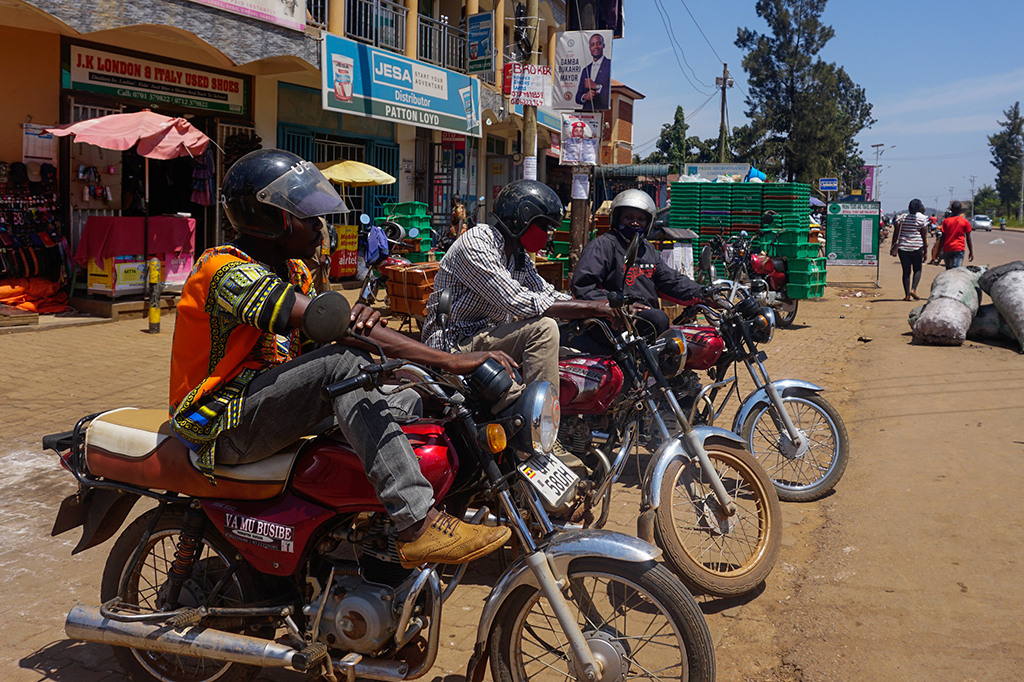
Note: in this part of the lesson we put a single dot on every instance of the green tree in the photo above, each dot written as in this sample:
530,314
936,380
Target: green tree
804,112
1008,156
986,200
674,147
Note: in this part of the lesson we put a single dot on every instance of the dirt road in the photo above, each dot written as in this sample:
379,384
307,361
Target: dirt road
911,570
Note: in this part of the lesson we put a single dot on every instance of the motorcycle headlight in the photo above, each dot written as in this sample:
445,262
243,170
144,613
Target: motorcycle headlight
539,407
762,327
672,357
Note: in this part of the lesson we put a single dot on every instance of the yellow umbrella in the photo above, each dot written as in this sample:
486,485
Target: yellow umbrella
354,173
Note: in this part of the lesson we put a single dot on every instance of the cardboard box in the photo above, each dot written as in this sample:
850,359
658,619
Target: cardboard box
118,276
343,261
413,292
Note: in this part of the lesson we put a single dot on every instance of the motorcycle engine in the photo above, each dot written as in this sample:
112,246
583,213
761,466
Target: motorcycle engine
574,433
357,616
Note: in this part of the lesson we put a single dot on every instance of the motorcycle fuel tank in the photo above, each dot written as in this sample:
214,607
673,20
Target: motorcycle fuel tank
704,345
762,265
587,384
330,473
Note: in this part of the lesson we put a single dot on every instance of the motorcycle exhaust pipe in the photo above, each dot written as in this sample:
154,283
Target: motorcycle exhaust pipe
85,623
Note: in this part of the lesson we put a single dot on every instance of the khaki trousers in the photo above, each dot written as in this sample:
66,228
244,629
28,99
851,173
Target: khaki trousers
533,343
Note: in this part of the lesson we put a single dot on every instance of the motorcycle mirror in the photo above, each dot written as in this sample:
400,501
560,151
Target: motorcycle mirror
364,219
326,317
768,218
705,259
630,260
481,199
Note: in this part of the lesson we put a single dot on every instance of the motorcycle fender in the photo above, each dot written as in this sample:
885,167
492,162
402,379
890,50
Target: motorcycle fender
564,548
100,513
759,398
654,477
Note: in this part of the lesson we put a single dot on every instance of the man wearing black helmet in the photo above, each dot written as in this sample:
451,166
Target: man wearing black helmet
245,381
499,302
600,269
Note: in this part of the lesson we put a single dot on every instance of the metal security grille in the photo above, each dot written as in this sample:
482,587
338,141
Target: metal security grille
84,112
331,150
441,181
224,131
384,157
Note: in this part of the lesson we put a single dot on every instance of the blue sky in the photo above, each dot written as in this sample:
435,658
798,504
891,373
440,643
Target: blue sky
939,75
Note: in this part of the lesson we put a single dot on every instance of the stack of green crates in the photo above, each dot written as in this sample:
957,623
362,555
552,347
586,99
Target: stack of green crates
685,206
412,215
805,277
746,207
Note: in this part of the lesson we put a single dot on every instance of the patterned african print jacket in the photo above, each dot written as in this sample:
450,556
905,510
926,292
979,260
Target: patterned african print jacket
232,324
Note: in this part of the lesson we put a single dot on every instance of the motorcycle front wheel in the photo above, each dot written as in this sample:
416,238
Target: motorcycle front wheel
146,587
712,552
637,618
804,474
787,312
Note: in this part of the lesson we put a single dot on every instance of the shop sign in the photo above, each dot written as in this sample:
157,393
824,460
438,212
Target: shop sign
480,36
545,116
580,135
121,75
851,237
710,171
288,13
531,85
364,81
580,81
458,143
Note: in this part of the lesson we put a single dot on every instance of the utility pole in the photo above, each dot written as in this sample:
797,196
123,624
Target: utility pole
950,195
723,82
878,154
972,179
529,111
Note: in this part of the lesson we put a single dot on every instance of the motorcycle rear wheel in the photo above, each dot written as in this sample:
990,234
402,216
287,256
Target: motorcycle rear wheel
637,618
787,312
715,554
147,581
813,475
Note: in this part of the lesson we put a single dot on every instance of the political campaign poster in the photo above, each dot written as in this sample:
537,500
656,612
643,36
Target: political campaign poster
531,85
591,15
581,133
583,71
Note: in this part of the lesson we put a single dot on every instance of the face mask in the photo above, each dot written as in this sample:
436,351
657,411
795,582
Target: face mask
630,231
534,239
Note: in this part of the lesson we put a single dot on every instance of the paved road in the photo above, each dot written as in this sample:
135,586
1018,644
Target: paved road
911,570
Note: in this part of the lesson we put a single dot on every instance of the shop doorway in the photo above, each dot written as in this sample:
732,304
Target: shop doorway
499,174
442,184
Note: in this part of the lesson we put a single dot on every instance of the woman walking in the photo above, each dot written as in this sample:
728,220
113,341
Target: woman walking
911,243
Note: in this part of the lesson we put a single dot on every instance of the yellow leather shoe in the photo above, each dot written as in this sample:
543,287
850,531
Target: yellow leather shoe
450,541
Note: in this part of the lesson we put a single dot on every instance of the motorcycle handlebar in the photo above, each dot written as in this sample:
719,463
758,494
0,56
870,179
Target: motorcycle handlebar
370,377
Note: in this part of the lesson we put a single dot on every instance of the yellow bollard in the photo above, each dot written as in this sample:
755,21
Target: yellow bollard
154,295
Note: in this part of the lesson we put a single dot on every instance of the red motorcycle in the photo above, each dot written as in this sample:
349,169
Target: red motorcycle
291,562
706,501
765,275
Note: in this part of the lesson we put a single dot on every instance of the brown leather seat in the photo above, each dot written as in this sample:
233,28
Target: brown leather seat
137,447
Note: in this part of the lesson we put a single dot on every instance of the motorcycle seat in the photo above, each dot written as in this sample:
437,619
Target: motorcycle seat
137,447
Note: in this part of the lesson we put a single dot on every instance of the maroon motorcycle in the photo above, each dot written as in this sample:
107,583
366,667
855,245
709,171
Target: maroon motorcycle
291,561
705,500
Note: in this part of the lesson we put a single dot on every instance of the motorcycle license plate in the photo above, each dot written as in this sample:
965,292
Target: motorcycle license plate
550,477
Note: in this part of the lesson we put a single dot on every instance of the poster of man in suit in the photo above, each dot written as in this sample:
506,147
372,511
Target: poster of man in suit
583,70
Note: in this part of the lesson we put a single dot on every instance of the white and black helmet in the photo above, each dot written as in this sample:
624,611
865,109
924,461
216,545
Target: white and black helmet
634,198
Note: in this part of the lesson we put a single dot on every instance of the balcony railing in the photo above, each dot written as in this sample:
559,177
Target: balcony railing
316,13
442,44
378,22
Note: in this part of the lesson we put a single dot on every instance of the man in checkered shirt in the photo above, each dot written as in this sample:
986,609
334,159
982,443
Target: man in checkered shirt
499,302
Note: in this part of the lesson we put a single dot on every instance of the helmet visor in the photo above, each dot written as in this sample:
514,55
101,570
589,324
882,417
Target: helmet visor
304,192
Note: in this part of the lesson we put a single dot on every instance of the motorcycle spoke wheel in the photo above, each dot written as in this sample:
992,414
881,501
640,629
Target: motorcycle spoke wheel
146,588
637,618
800,476
787,312
713,553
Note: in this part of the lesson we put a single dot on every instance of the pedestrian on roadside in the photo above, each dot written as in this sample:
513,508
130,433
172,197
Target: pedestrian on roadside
956,232
1002,223
910,241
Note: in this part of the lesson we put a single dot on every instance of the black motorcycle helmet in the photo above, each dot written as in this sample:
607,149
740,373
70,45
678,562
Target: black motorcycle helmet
523,203
262,185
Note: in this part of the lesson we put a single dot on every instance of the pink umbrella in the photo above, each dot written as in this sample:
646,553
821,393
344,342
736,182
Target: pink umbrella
157,136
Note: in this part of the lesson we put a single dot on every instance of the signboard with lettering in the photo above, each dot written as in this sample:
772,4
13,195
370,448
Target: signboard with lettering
288,13
580,135
364,81
154,82
531,85
851,233
828,184
583,70
480,36
710,171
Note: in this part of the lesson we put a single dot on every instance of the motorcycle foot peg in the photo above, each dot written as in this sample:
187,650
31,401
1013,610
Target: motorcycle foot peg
348,665
309,657
186,619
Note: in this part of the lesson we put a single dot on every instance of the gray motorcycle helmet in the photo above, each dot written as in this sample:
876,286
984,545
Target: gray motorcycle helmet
634,198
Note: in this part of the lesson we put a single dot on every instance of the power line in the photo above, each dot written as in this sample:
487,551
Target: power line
677,49
713,50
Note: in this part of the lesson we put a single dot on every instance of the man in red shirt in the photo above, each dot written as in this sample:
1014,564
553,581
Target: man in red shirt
956,231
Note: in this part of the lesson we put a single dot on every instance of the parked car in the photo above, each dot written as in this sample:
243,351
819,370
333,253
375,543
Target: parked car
981,222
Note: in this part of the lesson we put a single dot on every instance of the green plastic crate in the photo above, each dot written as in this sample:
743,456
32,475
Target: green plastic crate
406,208
560,248
799,291
796,236
795,250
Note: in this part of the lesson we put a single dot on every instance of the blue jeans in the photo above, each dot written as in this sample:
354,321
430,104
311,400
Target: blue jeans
954,259
283,404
